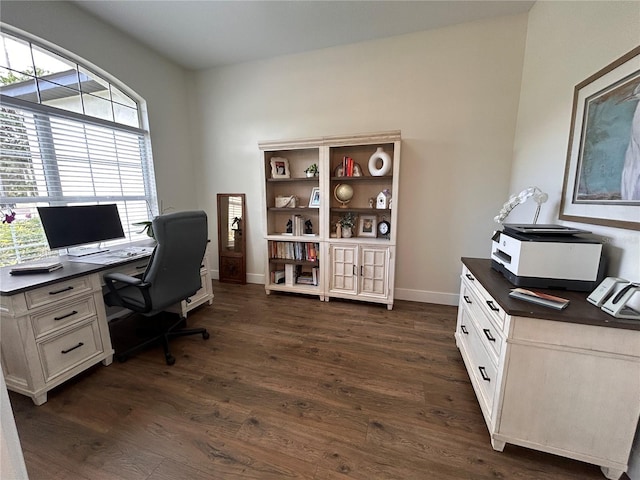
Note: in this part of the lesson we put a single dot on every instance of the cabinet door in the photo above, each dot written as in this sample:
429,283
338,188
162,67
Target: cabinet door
343,269
374,271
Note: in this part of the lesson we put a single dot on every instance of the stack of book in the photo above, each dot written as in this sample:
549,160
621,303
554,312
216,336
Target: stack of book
307,277
41,266
347,166
539,298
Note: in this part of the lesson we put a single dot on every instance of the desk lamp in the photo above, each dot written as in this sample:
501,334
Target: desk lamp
514,200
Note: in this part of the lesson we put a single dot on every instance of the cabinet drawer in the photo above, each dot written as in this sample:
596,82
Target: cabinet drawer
63,315
69,350
484,369
490,335
59,291
494,310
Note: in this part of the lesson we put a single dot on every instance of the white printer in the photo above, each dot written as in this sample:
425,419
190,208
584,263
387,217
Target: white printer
547,256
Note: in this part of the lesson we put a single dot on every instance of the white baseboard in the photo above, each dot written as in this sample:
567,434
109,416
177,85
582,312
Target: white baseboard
251,277
422,296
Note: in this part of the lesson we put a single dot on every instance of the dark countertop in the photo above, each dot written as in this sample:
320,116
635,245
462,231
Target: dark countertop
12,284
578,311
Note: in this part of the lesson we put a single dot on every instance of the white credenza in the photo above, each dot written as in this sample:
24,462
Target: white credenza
564,382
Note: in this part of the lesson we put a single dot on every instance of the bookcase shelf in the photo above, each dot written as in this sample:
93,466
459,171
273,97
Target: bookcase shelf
359,267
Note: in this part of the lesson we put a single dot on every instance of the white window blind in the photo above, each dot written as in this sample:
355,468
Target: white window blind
49,159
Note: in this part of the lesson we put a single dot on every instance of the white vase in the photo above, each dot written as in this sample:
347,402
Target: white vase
346,232
386,163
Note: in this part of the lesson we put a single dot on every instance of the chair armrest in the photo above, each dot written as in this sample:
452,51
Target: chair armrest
111,279
121,277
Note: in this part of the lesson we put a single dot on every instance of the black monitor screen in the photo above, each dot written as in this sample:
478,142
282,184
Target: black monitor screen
79,225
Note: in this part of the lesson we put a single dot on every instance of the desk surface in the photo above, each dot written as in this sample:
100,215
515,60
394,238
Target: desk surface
578,311
12,284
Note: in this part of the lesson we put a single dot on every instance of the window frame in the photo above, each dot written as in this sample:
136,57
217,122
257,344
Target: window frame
46,113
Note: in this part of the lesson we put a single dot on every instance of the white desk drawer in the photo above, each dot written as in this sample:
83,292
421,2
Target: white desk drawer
484,369
494,311
63,315
491,336
59,291
75,347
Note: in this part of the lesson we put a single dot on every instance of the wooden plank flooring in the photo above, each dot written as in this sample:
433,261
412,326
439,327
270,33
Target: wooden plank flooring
287,387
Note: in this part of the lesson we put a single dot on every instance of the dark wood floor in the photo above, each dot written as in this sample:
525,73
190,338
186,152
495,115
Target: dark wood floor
286,387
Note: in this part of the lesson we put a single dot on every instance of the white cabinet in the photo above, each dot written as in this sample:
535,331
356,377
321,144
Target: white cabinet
52,333
559,382
360,272
360,267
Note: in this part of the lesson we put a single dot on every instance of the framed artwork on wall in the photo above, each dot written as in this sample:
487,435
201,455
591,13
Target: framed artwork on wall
602,172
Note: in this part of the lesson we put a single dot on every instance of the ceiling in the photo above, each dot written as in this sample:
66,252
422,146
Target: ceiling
206,33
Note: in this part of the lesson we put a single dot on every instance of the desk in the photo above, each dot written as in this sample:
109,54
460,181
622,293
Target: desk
54,325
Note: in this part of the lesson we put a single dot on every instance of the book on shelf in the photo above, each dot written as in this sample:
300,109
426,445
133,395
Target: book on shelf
289,274
539,298
42,266
277,276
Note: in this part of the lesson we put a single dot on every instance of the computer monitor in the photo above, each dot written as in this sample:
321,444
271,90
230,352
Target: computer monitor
71,226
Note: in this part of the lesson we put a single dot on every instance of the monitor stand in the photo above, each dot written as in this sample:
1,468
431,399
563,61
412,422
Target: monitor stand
84,251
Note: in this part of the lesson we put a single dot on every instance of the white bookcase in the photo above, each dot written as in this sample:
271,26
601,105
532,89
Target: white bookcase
360,267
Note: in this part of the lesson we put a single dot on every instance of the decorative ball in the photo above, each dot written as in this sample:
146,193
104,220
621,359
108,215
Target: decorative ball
343,193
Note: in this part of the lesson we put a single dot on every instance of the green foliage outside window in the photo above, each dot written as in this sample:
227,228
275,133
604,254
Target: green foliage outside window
33,244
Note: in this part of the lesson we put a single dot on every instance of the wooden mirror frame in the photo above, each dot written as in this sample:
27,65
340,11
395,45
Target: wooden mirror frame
232,238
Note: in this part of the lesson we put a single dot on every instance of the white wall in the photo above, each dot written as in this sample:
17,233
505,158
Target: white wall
161,83
452,92
566,43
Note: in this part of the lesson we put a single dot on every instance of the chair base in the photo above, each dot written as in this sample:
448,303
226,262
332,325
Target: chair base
162,337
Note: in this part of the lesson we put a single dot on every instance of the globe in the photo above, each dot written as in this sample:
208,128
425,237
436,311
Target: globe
343,193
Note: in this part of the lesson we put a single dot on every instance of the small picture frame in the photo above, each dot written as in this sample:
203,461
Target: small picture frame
280,168
367,226
314,198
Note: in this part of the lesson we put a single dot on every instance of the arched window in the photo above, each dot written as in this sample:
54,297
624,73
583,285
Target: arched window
68,136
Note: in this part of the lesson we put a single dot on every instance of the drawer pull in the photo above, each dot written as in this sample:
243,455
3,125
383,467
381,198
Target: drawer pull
464,329
78,346
487,333
469,276
62,290
483,372
73,312
492,306
467,299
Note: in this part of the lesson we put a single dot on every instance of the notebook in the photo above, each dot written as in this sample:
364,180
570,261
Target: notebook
42,266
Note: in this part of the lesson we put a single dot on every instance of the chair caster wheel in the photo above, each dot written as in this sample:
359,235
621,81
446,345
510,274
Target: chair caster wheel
205,335
170,359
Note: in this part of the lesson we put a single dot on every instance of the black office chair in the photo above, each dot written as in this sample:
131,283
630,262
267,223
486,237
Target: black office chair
172,275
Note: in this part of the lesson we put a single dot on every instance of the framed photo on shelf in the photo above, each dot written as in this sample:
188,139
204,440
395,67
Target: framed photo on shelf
314,199
367,226
599,184
280,168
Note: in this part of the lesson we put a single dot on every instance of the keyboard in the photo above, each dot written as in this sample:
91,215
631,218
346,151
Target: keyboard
115,255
